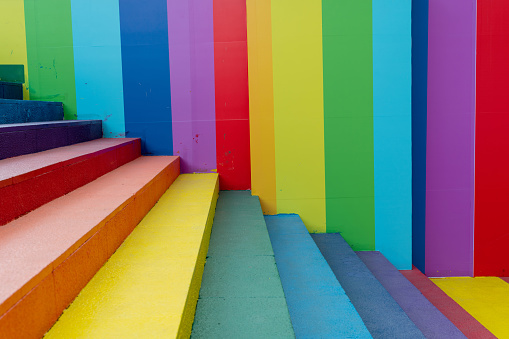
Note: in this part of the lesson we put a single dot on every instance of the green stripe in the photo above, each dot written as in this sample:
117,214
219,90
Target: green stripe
50,53
348,109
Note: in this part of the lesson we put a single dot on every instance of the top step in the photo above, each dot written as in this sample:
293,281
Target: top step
12,73
21,139
11,90
20,111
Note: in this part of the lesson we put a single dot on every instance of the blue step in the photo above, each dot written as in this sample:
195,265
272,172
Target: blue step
21,111
431,322
383,317
11,90
20,139
319,307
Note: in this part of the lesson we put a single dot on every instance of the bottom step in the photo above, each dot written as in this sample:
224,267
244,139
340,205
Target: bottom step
149,287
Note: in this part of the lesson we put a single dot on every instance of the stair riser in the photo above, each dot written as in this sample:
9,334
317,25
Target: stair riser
21,111
11,91
26,194
38,310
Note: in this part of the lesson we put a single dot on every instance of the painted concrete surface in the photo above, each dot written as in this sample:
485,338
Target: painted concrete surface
431,322
485,298
383,317
318,305
146,288
241,294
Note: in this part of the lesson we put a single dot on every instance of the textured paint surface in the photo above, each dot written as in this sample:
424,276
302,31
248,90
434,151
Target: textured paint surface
163,256
392,128
486,299
191,44
241,295
298,110
261,104
450,138
419,121
348,129
318,305
13,38
232,95
492,123
146,74
48,25
383,317
98,64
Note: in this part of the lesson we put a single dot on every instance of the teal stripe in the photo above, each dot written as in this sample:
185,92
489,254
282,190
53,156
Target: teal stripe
392,126
348,120
98,64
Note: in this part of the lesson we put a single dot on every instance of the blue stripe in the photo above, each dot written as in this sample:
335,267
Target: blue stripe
146,74
392,130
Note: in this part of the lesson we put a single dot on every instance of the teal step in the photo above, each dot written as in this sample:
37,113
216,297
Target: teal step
241,295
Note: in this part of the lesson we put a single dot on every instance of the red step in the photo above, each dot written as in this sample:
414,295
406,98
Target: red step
30,181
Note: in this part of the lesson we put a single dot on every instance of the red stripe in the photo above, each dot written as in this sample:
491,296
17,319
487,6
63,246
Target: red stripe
232,94
467,324
491,252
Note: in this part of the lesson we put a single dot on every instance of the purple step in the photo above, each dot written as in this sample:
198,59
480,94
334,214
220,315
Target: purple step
21,111
11,90
20,139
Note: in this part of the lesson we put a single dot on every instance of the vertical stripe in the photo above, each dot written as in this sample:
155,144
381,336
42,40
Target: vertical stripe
419,118
348,102
13,38
98,64
232,94
492,123
298,110
50,57
146,74
191,43
450,138
392,128
261,104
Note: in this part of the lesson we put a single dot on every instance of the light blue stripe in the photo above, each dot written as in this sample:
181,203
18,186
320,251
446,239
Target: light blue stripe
98,64
392,130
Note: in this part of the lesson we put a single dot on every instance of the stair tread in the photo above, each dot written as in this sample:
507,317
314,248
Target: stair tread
41,124
383,317
32,245
318,305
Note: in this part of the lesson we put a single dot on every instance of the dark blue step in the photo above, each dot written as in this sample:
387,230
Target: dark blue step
319,307
431,322
20,139
383,317
21,111
11,90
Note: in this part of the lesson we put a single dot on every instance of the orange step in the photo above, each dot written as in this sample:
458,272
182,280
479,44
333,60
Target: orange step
29,181
49,255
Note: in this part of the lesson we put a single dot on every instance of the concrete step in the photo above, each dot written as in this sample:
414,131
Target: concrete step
21,111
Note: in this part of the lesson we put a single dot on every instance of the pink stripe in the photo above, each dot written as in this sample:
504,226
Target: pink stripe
191,43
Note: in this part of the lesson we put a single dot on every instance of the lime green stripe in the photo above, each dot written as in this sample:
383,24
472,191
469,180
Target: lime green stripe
348,120
50,53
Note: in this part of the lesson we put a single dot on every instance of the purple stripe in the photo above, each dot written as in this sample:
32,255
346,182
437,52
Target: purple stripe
450,135
191,41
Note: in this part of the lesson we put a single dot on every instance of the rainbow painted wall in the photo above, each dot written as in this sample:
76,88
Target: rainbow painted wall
383,120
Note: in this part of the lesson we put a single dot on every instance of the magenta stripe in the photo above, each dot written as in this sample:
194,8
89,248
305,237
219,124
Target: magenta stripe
450,138
191,41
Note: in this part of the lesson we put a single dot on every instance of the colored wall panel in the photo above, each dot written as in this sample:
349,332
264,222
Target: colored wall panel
261,104
392,126
49,38
419,121
191,44
348,104
98,64
232,94
298,110
146,74
450,138
12,39
492,124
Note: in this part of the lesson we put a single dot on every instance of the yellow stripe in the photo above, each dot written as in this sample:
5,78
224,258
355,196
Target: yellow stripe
485,298
261,104
149,287
298,110
13,44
